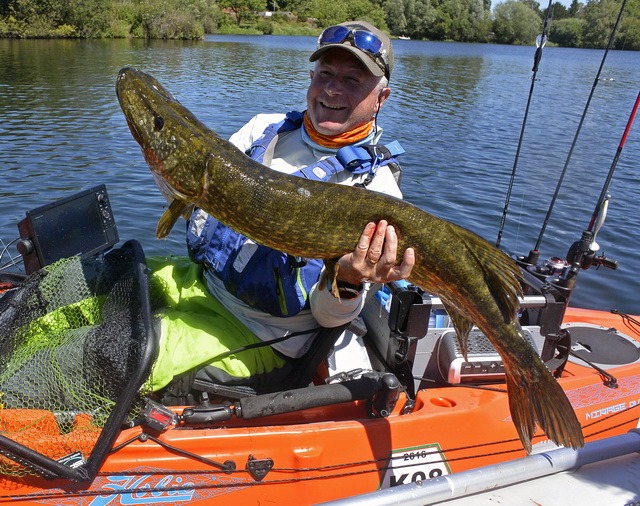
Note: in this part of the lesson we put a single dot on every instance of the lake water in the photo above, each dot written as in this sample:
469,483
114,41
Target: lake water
456,108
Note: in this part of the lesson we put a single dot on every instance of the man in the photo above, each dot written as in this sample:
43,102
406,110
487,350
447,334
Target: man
275,295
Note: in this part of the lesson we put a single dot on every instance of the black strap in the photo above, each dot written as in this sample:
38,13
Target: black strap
263,343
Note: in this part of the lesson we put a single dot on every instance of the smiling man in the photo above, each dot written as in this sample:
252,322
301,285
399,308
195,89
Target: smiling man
335,140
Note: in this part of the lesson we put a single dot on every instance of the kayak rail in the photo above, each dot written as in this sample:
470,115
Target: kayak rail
482,479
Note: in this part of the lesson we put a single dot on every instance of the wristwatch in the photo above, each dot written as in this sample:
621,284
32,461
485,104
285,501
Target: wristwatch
348,291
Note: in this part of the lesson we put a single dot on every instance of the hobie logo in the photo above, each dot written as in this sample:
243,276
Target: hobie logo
147,486
410,465
123,483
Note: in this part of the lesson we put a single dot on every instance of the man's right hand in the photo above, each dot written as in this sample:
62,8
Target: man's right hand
374,259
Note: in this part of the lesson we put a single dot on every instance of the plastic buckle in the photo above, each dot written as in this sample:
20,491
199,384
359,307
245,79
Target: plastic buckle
375,163
395,149
352,156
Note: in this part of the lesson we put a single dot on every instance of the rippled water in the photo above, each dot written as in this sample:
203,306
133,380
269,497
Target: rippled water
457,109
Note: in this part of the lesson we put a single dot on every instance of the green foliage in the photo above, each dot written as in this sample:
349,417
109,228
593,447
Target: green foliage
516,22
266,27
206,12
461,20
89,18
412,18
109,18
535,6
599,20
629,32
512,21
175,25
559,11
575,9
331,12
242,9
567,32
63,31
600,17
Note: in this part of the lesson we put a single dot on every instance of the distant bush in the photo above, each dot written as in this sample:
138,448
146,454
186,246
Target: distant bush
176,19
63,31
516,23
567,32
175,25
584,24
295,29
266,27
118,29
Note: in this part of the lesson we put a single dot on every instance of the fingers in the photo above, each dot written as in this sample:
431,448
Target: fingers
390,247
364,242
408,261
375,256
386,268
378,244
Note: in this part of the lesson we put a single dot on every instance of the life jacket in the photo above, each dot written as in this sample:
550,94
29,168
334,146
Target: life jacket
264,278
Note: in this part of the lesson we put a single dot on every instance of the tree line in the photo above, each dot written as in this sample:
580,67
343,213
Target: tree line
586,25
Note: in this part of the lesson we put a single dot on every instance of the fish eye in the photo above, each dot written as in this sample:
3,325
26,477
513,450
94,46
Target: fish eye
158,123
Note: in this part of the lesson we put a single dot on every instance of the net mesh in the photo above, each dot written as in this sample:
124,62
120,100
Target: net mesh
71,338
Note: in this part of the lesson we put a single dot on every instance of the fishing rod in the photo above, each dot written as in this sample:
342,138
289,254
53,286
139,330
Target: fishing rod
607,183
582,254
541,41
534,254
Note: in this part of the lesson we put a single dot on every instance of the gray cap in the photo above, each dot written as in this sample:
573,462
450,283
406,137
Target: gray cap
381,65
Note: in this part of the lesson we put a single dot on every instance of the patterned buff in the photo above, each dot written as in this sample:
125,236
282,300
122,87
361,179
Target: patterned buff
337,141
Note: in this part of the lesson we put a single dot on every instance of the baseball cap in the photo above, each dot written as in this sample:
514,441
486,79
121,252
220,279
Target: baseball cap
370,45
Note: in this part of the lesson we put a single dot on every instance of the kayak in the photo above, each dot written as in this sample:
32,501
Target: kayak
423,413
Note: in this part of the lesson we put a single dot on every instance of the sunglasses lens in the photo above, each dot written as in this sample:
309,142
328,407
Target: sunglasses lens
334,35
367,41
363,40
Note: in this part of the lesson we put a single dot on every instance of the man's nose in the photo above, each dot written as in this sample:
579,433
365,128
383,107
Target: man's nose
334,87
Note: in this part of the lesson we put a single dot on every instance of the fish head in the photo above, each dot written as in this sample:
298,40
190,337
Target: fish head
173,141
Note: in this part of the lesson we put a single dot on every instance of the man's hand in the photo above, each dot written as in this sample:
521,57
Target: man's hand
374,258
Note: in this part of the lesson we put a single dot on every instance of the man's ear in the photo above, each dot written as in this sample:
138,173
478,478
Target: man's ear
383,96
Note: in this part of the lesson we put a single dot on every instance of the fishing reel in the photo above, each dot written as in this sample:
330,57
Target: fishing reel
589,258
584,253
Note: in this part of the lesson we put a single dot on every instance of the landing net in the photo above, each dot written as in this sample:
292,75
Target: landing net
74,342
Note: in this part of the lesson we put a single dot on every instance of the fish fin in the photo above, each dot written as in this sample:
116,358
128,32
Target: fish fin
500,272
536,398
188,211
463,327
331,267
169,218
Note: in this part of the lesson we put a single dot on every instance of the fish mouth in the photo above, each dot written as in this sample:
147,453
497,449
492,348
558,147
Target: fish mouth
128,74
169,192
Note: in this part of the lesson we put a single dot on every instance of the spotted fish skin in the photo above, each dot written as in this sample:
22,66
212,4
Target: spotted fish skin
478,283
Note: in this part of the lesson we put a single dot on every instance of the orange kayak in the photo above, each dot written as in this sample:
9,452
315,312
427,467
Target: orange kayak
339,450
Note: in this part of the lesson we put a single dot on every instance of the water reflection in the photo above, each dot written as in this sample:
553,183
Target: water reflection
457,108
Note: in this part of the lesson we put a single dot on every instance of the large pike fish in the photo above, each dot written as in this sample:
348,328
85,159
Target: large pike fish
477,282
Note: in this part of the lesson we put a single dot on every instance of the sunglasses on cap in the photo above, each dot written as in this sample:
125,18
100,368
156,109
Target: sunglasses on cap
362,39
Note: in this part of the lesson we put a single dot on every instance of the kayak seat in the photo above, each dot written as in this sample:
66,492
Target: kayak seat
196,329
300,371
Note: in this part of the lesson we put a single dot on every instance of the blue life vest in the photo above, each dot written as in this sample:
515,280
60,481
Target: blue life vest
262,277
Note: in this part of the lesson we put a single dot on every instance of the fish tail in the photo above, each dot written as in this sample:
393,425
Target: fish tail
501,273
538,399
